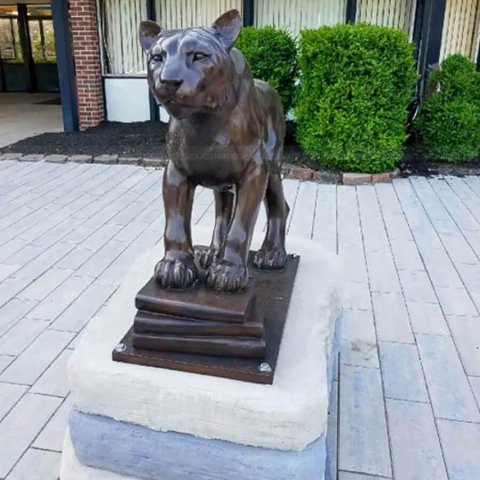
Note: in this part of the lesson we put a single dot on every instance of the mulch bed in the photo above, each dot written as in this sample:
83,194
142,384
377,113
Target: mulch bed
147,140
139,139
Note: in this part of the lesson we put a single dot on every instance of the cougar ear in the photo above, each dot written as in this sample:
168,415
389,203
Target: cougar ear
227,27
148,33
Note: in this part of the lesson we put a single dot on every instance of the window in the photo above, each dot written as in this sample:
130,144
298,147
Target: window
10,48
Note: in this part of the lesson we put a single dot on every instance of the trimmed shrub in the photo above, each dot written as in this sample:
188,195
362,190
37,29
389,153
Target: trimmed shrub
272,55
356,82
449,120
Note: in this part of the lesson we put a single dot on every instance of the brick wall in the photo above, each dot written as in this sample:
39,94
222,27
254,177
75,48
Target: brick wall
86,52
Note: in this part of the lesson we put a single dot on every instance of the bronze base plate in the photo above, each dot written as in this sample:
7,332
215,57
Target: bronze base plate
273,290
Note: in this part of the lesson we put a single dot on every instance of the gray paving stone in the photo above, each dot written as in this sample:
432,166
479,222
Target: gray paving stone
21,335
9,396
363,431
101,236
461,447
417,286
36,358
61,298
447,384
356,476
476,299
55,158
7,270
129,160
32,157
24,255
45,284
13,311
406,255
54,380
382,273
416,452
76,316
466,335
357,296
73,344
154,162
107,159
10,287
359,342
391,318
471,276
75,258
52,435
475,383
456,301
80,158
427,318
10,156
357,268
101,259
20,427
402,372
37,465
5,361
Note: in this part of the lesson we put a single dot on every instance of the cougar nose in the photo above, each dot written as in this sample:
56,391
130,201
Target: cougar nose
171,84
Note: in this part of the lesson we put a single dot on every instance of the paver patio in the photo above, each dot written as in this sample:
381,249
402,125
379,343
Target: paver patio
409,379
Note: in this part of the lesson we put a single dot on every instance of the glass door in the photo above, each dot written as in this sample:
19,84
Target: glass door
27,49
42,41
12,67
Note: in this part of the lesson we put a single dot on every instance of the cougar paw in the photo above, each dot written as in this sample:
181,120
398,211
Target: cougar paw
226,277
176,273
273,258
206,256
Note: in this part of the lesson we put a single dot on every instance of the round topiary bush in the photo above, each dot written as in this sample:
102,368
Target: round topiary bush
449,120
272,55
356,82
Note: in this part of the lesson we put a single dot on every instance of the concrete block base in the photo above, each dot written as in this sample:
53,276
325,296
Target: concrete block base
157,424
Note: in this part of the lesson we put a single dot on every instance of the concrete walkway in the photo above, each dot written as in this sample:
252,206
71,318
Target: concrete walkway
409,381
22,116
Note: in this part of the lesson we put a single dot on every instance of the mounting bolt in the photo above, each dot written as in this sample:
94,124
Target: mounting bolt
265,367
121,347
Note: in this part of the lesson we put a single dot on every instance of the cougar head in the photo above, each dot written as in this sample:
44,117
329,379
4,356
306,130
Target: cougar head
190,70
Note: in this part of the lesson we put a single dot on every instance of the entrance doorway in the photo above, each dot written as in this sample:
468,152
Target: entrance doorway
27,49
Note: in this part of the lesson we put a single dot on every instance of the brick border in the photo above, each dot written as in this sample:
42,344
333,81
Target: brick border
288,170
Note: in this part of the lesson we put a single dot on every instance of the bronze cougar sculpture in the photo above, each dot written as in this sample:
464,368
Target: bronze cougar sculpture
226,132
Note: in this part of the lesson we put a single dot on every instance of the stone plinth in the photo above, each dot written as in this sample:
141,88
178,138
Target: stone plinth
147,423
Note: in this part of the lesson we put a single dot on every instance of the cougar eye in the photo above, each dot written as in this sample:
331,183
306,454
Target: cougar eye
198,56
157,58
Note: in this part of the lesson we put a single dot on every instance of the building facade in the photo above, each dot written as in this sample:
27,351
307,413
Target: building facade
101,67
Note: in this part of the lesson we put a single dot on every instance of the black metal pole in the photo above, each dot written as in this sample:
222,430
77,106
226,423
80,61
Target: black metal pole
351,13
24,34
435,34
422,40
65,66
248,13
478,56
154,108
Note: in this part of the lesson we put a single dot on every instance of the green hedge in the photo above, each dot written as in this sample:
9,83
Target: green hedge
449,120
272,55
356,82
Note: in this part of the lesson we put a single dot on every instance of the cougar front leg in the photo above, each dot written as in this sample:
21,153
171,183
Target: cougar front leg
273,255
177,268
223,216
230,272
